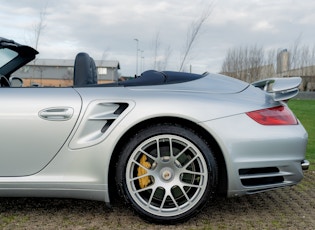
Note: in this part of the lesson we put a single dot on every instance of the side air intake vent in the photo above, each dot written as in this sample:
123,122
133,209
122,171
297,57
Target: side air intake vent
122,107
99,119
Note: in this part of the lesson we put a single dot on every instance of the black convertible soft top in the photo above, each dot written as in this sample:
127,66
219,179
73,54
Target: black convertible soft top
153,77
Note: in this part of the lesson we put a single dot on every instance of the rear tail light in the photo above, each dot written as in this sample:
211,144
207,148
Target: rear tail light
279,115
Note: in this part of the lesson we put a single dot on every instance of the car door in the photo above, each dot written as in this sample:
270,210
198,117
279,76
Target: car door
34,125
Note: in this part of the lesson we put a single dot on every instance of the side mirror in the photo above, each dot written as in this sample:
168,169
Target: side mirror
16,82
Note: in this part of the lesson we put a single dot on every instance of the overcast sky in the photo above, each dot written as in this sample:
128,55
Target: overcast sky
108,28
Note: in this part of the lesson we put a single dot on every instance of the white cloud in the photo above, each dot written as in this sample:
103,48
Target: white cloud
97,25
263,26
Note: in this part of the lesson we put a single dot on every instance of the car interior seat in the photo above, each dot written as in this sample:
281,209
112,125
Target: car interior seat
84,70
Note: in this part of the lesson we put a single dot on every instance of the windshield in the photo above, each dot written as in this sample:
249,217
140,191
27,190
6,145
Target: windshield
6,55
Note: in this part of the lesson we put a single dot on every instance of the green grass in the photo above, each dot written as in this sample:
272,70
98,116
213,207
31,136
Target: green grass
305,112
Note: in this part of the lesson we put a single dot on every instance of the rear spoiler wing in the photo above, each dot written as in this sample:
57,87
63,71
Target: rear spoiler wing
281,89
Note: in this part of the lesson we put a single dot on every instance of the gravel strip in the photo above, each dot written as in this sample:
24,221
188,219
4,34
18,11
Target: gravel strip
287,208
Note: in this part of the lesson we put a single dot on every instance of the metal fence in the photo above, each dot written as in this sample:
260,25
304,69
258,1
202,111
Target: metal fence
305,95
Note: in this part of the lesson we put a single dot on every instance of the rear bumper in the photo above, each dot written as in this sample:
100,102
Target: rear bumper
259,157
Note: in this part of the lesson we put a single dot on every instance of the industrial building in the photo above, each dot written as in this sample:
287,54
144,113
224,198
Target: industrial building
59,72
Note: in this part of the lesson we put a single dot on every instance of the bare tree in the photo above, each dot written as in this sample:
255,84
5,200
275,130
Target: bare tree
253,63
305,66
244,63
295,53
166,56
105,55
270,63
40,25
38,28
194,31
160,61
156,49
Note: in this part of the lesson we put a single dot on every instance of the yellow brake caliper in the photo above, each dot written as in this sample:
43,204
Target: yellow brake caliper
144,181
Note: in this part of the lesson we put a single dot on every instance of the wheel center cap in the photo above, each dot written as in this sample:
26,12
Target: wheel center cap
167,174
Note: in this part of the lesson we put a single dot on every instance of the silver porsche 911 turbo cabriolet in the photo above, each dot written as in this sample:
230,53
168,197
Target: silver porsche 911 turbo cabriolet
166,142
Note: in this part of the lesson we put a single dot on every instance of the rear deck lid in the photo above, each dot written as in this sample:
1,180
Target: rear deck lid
205,83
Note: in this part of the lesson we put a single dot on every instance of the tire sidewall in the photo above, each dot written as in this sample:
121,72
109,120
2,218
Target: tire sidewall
177,130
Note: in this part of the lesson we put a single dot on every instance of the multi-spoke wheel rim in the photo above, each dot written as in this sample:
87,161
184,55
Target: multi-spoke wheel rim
166,175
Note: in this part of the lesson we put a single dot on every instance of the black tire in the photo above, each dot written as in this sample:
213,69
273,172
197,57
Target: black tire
166,173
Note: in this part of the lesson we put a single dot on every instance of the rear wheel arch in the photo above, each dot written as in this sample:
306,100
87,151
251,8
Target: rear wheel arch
222,172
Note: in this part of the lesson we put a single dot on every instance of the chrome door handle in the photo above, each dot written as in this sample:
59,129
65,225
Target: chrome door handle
56,114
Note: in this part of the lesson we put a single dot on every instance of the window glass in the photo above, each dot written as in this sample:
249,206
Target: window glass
6,55
102,71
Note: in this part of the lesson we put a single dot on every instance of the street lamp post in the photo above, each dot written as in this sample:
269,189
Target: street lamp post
137,41
142,61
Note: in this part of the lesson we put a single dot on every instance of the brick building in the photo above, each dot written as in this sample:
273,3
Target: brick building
59,72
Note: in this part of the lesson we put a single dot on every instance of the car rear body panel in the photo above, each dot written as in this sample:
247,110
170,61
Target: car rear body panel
270,157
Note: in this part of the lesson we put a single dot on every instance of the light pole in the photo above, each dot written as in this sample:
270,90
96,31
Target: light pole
142,61
137,41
